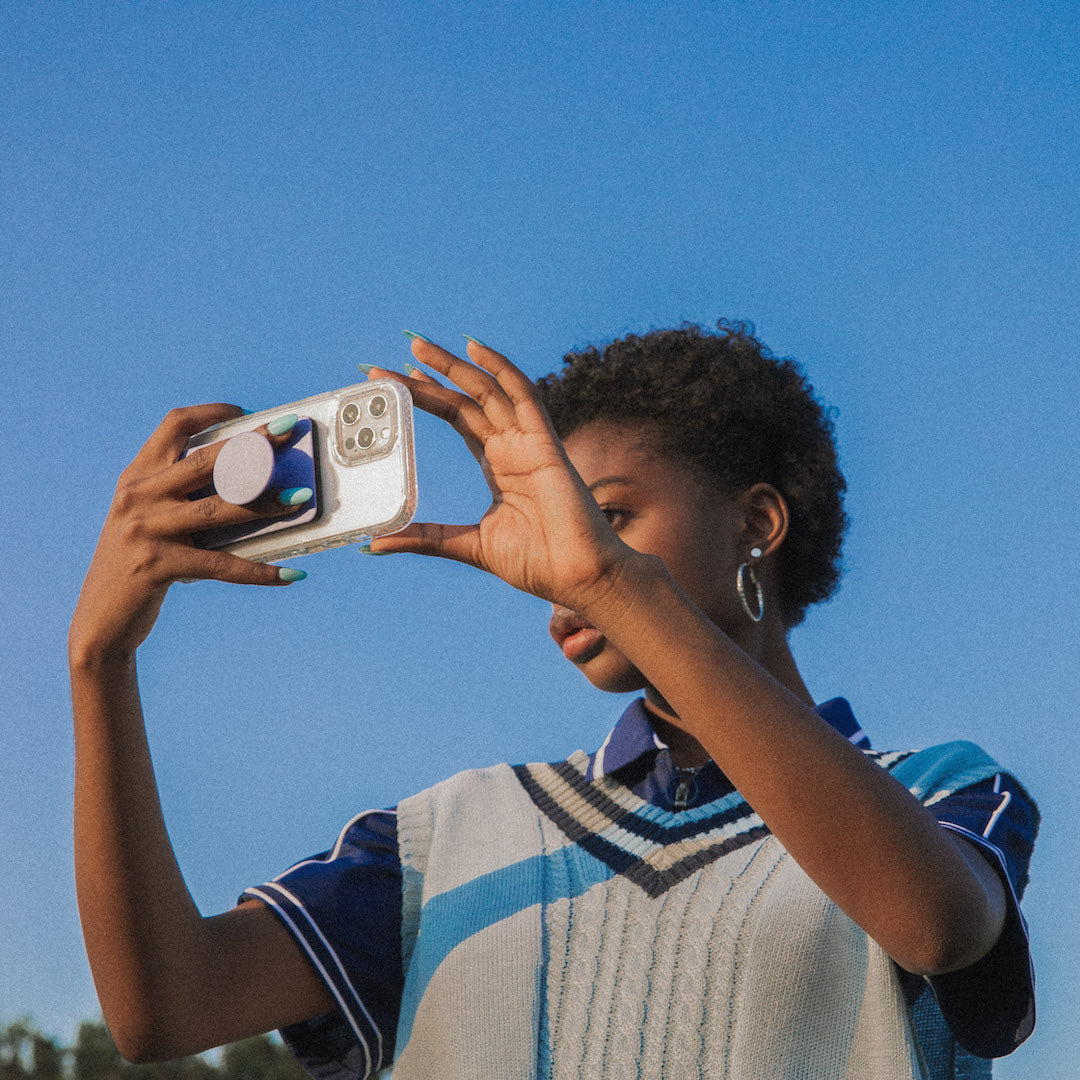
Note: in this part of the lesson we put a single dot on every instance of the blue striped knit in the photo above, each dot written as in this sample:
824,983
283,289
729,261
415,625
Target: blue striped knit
556,927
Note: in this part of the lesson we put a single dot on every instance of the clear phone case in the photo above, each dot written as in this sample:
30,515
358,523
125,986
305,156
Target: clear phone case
364,464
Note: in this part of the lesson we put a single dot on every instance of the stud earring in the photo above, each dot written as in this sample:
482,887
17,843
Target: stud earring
740,587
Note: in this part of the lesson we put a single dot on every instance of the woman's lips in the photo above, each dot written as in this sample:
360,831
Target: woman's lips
582,645
579,640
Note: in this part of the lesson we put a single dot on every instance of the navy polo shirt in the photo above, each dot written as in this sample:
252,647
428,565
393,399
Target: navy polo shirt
343,906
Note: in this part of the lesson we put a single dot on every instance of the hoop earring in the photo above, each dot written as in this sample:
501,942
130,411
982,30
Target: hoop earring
759,595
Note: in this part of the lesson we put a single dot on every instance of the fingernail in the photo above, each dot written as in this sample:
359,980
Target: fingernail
248,412
295,496
365,368
290,573
281,424
410,368
414,334
477,341
365,549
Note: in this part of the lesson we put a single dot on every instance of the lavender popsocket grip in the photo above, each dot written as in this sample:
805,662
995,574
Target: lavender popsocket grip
248,466
245,468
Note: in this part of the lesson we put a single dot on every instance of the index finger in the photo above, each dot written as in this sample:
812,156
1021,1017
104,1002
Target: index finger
192,471
517,386
171,435
479,384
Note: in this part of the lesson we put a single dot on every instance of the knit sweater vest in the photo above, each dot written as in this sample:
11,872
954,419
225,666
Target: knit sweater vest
558,928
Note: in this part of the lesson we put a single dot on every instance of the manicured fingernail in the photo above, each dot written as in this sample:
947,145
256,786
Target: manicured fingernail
295,496
414,334
410,368
365,368
281,424
290,573
477,341
248,412
365,549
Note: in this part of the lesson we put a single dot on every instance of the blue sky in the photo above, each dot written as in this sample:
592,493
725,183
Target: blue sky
241,202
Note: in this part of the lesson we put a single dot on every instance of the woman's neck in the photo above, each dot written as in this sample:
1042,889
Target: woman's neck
772,652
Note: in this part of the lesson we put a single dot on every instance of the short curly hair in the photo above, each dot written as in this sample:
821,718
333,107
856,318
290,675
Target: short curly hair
723,405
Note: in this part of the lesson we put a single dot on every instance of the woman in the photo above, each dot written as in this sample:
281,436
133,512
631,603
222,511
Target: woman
732,885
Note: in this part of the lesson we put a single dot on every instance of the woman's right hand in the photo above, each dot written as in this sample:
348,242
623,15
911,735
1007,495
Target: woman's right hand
146,542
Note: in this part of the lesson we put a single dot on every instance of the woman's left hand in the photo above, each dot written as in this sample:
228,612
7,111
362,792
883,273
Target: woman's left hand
543,533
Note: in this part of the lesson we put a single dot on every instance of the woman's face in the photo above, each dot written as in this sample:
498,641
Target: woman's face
657,507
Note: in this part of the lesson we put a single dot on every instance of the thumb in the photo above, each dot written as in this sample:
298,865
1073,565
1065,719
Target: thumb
457,542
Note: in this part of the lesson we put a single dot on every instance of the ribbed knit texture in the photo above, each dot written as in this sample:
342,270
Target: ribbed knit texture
556,928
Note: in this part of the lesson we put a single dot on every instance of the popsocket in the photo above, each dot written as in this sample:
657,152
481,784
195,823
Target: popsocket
248,466
245,468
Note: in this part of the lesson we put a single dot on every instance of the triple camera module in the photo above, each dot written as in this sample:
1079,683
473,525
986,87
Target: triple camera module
367,427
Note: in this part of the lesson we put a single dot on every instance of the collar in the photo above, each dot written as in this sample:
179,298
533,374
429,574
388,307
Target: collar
633,735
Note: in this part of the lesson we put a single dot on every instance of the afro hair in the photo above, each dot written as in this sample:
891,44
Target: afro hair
724,406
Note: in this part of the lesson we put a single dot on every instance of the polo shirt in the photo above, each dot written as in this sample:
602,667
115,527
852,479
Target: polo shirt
344,905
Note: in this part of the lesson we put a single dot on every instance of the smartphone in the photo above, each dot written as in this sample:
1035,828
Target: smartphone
354,447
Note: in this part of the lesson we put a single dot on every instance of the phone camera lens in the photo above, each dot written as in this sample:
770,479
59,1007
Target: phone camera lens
350,443
365,437
377,406
350,414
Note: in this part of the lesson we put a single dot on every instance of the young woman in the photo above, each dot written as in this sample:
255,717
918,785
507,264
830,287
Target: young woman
733,885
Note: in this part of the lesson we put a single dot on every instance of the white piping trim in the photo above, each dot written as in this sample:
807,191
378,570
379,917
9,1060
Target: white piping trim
341,967
1006,798
982,842
327,978
598,761
335,851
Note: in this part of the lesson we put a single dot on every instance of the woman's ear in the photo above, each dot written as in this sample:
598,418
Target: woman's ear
765,519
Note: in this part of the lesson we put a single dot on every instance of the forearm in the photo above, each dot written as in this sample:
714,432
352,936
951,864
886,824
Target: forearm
142,930
170,982
859,834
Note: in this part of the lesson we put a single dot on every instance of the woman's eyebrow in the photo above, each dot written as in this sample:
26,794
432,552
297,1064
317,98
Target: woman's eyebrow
606,480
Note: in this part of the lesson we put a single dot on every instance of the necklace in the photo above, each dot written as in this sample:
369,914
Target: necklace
683,788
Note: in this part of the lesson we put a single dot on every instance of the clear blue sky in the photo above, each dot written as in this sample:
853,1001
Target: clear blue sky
242,201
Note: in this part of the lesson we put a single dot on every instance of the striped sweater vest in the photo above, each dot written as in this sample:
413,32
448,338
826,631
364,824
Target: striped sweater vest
558,928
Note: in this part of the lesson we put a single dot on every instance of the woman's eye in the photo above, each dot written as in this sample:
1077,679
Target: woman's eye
616,517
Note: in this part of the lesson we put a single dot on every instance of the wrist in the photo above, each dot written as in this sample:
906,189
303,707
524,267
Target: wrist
628,583
92,657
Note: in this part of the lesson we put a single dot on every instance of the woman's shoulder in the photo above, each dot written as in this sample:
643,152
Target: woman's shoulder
940,770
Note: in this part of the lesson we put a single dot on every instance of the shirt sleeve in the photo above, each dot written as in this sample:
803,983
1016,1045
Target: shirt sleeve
343,907
990,1006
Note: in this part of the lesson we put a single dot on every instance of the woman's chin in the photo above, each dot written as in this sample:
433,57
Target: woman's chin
614,674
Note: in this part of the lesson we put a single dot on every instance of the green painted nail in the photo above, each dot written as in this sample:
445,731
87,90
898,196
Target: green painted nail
295,496
290,573
410,368
282,424
365,549
477,341
365,368
414,334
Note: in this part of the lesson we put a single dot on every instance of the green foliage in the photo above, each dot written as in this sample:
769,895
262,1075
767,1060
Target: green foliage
27,1054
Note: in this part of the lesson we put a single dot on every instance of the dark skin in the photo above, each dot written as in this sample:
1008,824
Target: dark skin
645,559
659,506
